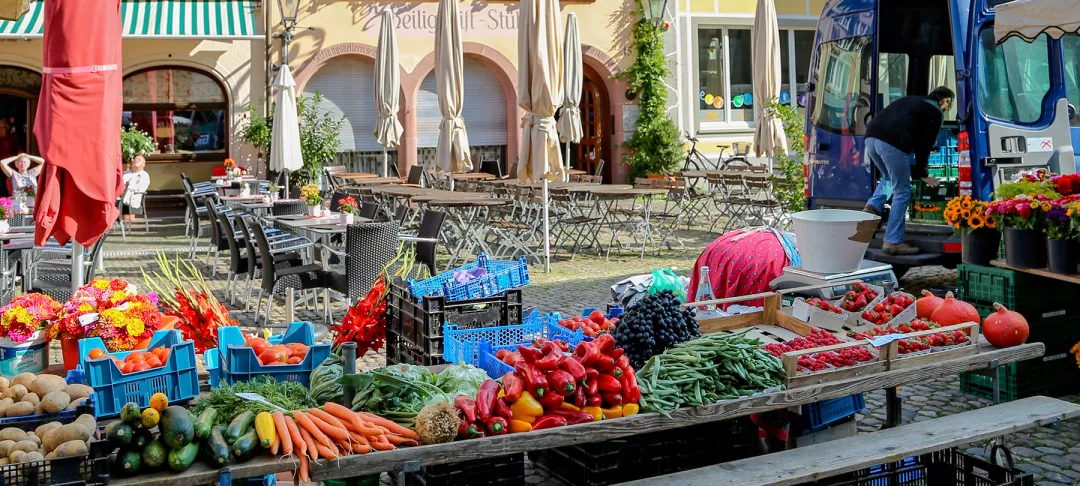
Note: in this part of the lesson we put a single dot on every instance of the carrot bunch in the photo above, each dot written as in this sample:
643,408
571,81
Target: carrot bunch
334,431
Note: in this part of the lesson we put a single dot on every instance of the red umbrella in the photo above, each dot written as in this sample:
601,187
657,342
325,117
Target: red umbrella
78,121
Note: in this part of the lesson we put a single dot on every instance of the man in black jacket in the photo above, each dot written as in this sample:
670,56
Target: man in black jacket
909,125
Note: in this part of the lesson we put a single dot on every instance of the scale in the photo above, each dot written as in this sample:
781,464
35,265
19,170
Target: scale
869,271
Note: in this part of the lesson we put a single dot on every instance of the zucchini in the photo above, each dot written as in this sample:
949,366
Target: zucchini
215,449
118,433
239,426
205,422
264,428
128,461
155,454
141,437
131,414
177,427
181,459
244,447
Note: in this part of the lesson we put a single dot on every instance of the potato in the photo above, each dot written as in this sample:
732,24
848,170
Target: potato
15,393
71,448
35,440
34,456
6,446
19,410
65,433
75,404
31,398
39,408
87,420
45,384
55,401
51,455
24,379
4,461
17,456
25,446
44,429
12,433
4,383
78,391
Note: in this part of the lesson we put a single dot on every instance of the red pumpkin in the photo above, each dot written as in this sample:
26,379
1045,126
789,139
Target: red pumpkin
953,311
927,304
1005,328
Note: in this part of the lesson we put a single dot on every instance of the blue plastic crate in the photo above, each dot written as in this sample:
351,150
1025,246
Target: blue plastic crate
178,378
826,412
502,275
489,363
265,480
462,345
233,362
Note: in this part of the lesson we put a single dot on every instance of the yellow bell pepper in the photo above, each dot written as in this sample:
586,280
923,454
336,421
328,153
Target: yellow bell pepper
526,408
569,406
519,426
596,412
613,412
630,409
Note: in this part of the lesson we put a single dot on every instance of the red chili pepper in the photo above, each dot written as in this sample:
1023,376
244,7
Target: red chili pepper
579,397
630,390
534,380
586,353
617,353
605,343
502,409
616,372
530,354
612,399
592,389
608,383
485,399
512,386
591,373
463,429
604,363
561,382
594,401
622,361
467,406
575,369
573,417
548,421
497,425
551,401
552,356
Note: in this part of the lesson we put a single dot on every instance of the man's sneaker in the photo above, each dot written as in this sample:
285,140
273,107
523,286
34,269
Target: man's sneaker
872,210
900,249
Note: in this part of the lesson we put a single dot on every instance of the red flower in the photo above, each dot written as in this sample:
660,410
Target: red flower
1024,210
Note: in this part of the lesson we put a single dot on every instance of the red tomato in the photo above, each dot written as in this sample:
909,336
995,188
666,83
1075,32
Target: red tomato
124,367
283,349
161,352
153,361
137,367
295,360
297,349
97,353
258,345
135,357
271,357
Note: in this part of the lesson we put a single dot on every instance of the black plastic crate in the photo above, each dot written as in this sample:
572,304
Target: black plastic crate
400,352
420,324
949,466
499,471
1057,328
31,422
1051,375
91,469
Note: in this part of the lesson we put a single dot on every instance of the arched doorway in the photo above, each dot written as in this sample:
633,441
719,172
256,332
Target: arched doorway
19,89
596,127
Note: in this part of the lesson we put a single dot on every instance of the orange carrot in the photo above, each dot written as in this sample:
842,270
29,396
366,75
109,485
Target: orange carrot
283,431
399,440
390,424
326,451
341,412
381,446
304,468
297,439
311,449
275,445
359,438
305,423
361,449
333,433
325,417
348,418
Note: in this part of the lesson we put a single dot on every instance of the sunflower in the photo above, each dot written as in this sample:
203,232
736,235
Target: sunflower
965,213
966,203
976,221
991,223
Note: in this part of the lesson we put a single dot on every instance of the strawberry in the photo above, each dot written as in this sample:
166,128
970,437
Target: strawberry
879,307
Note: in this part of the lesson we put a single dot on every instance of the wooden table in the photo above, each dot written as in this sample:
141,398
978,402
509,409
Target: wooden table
355,175
1072,278
472,176
375,181
429,455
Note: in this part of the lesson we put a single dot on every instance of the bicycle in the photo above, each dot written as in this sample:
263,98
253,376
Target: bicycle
697,161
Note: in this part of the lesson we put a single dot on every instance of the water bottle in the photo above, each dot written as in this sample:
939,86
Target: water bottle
705,293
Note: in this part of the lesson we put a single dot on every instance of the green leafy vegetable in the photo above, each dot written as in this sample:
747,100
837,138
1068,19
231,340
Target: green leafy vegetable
287,395
398,392
461,380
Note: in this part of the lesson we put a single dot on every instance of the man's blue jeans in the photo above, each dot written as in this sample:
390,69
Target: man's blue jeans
896,172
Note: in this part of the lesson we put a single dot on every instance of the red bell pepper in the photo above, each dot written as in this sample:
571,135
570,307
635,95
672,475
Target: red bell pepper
502,409
551,358
594,401
616,372
574,367
604,363
548,421
591,373
468,430
573,417
529,354
591,388
497,425
561,382
612,399
608,383
467,406
617,353
622,361
580,400
605,343
485,399
630,391
551,401
563,345
534,380
512,386
586,353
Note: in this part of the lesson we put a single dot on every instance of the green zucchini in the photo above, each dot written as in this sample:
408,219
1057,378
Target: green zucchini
118,433
215,449
155,454
205,422
244,447
140,437
128,461
239,426
181,459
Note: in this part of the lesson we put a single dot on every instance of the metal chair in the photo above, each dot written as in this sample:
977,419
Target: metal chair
309,277
369,247
417,175
288,257
368,210
427,238
53,277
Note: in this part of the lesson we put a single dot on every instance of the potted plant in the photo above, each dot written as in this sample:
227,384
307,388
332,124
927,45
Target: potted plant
979,234
310,194
245,189
274,190
1022,222
230,168
6,212
24,342
1061,249
348,208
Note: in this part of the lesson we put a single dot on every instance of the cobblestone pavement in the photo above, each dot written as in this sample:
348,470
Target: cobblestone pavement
1052,453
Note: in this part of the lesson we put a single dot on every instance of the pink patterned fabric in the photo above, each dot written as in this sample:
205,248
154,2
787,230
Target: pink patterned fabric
741,262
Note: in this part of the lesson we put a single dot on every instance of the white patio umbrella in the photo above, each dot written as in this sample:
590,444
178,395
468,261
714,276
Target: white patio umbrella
285,154
769,138
452,152
387,84
1029,18
570,118
540,94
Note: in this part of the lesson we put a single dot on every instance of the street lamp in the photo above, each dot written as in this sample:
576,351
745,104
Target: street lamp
654,11
289,9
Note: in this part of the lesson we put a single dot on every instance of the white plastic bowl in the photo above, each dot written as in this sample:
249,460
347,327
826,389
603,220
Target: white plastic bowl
833,240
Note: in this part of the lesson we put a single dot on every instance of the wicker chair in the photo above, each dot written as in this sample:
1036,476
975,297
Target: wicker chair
369,247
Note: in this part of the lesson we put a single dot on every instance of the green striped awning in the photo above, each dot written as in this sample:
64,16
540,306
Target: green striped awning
202,19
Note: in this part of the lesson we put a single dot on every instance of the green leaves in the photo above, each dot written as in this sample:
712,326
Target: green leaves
319,130
789,185
257,130
135,142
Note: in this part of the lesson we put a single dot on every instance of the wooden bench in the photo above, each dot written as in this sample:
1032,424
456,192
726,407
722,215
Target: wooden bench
798,466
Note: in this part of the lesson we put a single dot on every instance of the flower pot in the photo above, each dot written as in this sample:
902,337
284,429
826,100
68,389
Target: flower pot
1025,248
980,246
315,211
346,218
70,347
1062,255
31,356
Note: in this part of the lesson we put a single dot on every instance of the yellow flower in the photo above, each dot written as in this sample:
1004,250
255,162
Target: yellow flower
101,284
135,327
965,213
966,203
1069,212
1035,205
976,221
991,223
1045,206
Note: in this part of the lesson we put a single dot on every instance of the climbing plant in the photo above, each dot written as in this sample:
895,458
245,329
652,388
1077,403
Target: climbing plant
789,182
657,144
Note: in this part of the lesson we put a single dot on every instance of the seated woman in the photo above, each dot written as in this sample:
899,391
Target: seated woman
23,170
136,182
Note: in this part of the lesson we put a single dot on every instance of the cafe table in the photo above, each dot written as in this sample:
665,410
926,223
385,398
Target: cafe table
636,219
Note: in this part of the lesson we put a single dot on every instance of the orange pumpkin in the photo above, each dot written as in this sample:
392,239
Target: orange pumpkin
1005,328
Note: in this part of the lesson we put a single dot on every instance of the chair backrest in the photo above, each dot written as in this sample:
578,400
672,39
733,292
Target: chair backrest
400,214
759,168
368,210
416,175
370,247
268,270
188,186
249,243
491,166
430,225
740,148
599,169
335,200
216,237
233,245
193,212
285,208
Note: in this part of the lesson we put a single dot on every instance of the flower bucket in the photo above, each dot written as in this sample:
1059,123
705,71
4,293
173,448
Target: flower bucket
1062,256
1025,248
31,356
167,323
70,347
346,218
315,211
980,246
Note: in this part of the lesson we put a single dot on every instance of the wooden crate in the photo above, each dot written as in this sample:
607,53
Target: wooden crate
899,362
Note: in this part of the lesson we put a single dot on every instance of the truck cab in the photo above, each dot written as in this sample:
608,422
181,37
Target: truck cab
1014,109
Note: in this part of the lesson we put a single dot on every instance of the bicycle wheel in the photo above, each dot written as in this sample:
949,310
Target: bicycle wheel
690,165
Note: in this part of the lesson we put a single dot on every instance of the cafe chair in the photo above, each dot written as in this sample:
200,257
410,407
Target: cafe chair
302,277
52,276
285,250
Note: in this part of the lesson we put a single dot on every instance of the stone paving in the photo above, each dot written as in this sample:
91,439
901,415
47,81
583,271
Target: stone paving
1051,453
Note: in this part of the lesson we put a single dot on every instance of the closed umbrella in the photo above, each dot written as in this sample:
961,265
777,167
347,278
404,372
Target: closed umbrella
769,138
452,152
387,83
540,94
285,154
570,118
78,125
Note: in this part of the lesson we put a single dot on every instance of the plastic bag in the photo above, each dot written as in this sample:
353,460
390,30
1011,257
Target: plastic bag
665,279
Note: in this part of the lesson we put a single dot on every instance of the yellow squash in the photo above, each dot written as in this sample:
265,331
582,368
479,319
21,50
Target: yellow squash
264,428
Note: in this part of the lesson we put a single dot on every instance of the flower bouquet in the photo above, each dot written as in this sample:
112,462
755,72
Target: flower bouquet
1022,221
311,196
186,296
978,232
348,208
110,309
25,315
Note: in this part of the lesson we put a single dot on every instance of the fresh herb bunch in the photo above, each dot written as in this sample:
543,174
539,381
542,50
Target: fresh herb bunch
285,394
653,325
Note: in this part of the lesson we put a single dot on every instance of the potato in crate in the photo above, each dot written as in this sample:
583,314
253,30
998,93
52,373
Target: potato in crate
287,357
